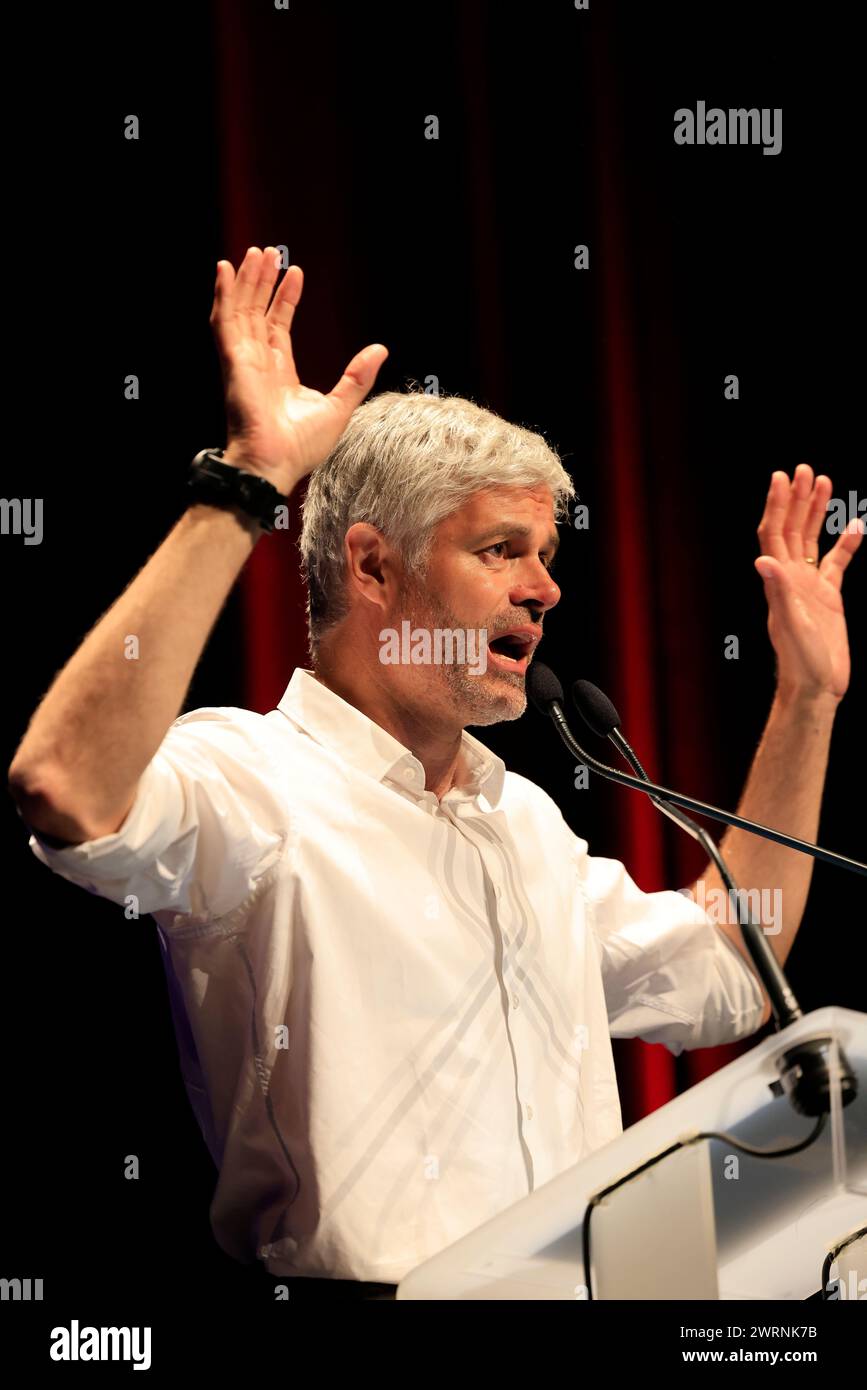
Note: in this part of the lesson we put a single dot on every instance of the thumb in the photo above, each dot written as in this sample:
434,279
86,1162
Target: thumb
768,568
358,377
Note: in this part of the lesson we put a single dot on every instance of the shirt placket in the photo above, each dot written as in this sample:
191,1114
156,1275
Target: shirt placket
502,923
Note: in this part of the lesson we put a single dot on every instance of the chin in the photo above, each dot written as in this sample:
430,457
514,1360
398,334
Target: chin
502,698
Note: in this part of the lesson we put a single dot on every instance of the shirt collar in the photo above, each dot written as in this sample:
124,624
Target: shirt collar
336,724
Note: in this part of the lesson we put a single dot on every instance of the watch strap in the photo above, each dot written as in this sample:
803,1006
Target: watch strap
221,484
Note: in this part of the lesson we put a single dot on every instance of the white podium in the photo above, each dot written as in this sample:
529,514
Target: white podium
707,1221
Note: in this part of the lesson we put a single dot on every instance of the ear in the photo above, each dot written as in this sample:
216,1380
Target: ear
370,570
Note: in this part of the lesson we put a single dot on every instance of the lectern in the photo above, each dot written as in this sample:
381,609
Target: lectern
707,1220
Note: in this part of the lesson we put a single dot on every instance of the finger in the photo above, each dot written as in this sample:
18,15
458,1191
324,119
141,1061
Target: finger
837,561
256,293
280,317
797,509
778,588
248,279
268,272
770,529
358,378
282,311
769,568
816,515
221,309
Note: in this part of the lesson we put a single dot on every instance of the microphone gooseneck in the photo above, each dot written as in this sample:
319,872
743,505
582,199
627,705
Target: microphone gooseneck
546,693
804,1068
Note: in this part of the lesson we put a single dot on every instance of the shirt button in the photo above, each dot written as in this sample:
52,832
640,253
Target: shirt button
514,1000
498,892
529,1112
410,774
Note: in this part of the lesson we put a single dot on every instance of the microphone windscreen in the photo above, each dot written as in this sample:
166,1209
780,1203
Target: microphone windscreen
543,687
595,708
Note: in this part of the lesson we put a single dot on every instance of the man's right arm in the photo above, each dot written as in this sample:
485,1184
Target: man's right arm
75,773
77,769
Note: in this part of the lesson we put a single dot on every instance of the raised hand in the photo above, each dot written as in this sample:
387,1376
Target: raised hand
806,621
277,427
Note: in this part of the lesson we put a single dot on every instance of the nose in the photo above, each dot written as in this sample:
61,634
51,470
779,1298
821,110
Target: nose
539,593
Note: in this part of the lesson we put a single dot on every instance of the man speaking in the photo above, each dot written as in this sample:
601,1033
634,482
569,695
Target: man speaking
393,968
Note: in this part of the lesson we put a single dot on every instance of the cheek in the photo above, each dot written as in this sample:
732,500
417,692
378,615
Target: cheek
477,593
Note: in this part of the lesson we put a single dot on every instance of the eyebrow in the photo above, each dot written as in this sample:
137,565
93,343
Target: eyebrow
515,528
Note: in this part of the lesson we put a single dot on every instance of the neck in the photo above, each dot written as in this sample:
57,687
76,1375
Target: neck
436,744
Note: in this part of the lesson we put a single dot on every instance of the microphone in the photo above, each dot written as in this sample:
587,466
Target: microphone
602,719
546,693
804,1067
595,708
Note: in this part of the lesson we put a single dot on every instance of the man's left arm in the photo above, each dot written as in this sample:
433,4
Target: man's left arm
807,628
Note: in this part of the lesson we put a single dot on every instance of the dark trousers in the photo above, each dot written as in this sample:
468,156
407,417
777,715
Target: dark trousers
326,1290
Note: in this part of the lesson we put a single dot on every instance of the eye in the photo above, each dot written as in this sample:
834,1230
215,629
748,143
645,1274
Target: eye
547,560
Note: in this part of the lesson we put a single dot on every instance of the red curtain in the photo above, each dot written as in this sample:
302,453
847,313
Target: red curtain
265,178
652,664
653,572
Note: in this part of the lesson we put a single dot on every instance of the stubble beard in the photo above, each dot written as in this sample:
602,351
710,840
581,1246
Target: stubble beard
493,696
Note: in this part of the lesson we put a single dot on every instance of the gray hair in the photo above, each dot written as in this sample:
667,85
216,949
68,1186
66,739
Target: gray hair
405,462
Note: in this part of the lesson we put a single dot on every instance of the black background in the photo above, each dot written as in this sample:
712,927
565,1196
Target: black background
733,258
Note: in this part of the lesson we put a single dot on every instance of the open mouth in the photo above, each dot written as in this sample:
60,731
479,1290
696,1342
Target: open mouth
510,652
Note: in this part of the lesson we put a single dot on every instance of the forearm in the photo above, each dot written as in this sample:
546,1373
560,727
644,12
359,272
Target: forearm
77,768
784,791
79,764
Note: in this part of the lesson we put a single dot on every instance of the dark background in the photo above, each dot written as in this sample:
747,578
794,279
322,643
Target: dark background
306,128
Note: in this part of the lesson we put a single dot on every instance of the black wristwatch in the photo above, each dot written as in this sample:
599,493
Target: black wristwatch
223,485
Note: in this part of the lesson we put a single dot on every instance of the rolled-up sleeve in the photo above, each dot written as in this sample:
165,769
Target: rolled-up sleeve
670,974
207,822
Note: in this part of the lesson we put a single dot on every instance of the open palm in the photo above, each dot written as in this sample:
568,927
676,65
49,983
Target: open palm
276,426
806,620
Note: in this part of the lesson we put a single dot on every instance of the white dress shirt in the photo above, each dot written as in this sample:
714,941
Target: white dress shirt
393,1013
